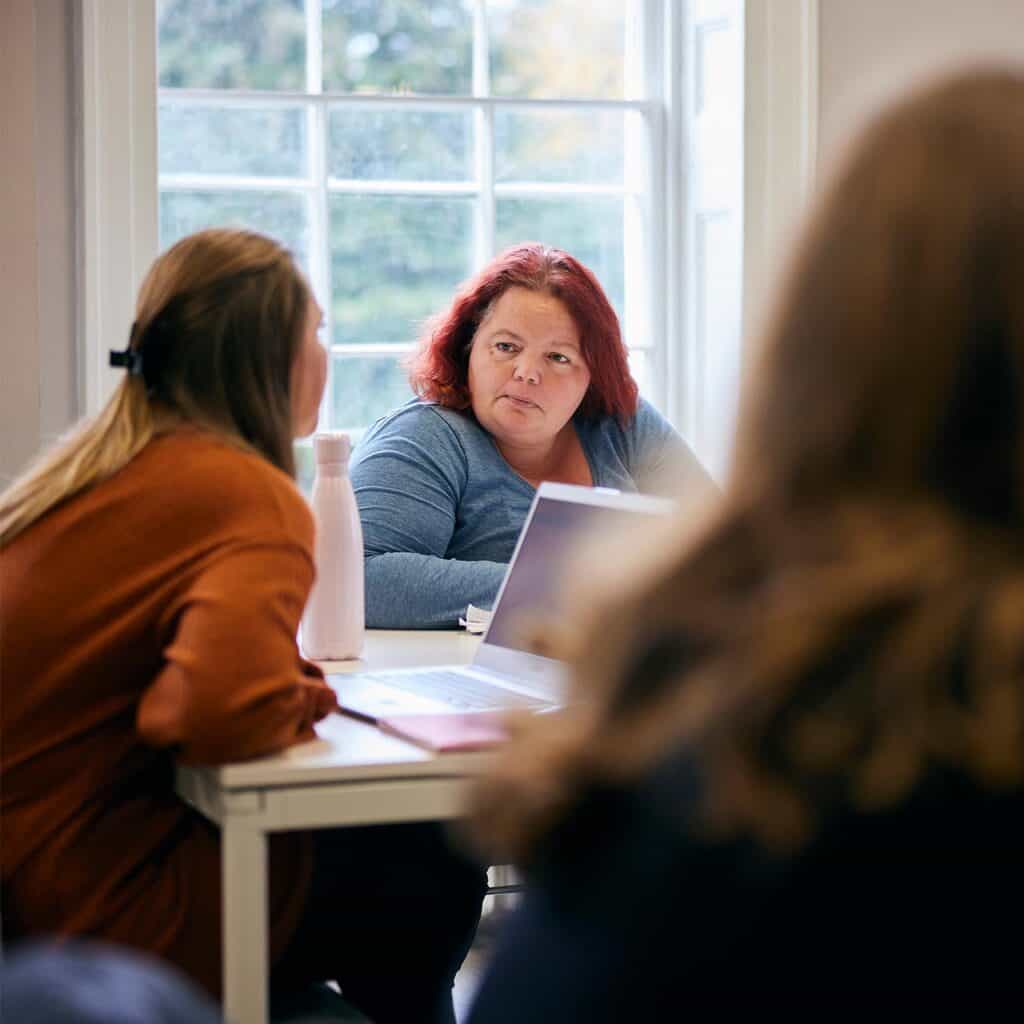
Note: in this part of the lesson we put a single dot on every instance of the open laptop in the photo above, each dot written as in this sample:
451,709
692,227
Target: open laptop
503,673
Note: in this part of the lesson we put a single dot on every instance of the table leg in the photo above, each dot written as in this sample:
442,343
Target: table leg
244,931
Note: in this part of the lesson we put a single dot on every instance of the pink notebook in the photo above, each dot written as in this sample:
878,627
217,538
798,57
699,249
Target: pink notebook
472,730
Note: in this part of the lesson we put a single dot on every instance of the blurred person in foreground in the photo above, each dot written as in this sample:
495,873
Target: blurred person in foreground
794,772
153,570
524,378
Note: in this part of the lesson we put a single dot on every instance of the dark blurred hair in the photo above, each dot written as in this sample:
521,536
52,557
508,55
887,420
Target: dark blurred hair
853,615
439,369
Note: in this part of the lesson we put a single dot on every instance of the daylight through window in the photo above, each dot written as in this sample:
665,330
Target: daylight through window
396,145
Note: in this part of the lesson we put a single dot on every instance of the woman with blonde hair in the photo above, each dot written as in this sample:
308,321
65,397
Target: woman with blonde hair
794,772
153,571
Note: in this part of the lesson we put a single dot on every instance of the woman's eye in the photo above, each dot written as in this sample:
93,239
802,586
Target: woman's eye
504,346
558,357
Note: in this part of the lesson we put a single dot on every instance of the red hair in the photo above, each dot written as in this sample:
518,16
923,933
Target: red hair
439,369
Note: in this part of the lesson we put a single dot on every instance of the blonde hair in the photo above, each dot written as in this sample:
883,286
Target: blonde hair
852,617
218,322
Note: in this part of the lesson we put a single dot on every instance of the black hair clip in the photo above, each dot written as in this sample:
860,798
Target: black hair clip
128,359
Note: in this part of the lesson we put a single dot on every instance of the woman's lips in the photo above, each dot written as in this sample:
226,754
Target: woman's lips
522,403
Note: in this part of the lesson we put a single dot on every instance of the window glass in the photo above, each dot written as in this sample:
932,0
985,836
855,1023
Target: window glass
395,260
398,46
231,44
589,228
305,465
577,146
640,368
205,139
386,210
402,145
557,49
364,389
282,215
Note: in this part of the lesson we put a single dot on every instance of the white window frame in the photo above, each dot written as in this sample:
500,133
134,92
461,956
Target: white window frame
318,187
118,228
642,190
780,139
117,179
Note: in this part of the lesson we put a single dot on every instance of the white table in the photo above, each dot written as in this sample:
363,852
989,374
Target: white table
352,775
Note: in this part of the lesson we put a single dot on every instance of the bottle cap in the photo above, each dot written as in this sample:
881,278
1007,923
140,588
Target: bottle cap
332,447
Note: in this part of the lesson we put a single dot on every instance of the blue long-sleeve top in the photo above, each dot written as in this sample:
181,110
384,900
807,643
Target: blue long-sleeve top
441,509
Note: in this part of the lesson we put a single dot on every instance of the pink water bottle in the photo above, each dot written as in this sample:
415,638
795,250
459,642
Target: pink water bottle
333,623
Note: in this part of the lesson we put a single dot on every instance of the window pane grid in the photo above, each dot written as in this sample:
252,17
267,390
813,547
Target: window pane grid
552,190
483,127
314,46
233,182
484,156
525,200
259,98
512,190
319,221
353,186
481,50
383,350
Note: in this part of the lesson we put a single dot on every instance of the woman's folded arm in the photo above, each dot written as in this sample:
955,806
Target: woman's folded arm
234,685
405,590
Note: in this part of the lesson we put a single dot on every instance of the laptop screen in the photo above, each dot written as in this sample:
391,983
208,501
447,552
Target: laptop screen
535,578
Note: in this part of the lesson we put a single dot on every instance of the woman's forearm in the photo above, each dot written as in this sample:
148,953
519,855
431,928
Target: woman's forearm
414,591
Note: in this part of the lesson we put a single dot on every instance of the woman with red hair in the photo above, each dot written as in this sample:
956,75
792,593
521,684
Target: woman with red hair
525,378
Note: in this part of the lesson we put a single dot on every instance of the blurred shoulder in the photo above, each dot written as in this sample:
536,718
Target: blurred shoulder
658,459
215,482
648,421
645,423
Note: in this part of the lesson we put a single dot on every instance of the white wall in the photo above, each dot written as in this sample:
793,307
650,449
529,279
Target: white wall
870,50
38,389
19,285
816,70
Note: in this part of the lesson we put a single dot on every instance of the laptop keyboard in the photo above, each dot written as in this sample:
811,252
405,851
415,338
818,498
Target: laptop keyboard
464,693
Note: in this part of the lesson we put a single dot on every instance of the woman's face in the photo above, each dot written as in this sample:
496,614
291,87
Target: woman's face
309,374
527,375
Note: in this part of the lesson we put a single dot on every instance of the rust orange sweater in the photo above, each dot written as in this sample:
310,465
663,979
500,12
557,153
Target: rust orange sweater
151,618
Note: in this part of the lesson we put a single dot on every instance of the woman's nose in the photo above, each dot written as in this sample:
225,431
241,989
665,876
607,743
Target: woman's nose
527,370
